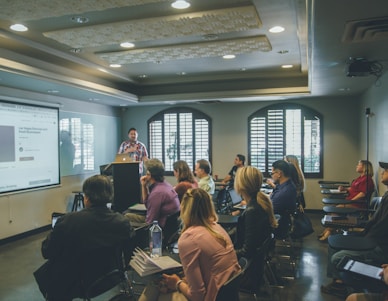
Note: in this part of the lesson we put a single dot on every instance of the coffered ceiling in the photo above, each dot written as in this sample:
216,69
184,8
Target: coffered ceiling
72,49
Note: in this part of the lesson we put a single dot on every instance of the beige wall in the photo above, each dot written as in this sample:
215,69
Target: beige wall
344,144
376,99
229,125
26,211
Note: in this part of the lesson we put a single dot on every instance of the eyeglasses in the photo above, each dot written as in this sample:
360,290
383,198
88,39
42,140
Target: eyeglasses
272,173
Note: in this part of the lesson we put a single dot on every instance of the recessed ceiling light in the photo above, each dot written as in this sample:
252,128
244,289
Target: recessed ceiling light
287,66
127,45
180,4
228,56
80,19
18,27
210,37
143,76
276,29
75,50
115,65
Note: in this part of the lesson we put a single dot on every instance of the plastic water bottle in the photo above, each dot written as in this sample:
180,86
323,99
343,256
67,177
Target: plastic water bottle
155,240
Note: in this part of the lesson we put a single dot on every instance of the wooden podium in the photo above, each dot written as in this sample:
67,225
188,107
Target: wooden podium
126,185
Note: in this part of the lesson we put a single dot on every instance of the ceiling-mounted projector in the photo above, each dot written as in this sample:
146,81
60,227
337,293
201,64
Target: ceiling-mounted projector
359,67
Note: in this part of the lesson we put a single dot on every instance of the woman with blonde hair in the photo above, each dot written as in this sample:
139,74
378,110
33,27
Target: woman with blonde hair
206,253
255,224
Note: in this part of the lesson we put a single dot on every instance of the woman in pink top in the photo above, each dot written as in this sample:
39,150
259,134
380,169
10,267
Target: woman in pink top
206,253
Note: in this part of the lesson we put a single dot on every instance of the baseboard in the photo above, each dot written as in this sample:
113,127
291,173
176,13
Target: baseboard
24,235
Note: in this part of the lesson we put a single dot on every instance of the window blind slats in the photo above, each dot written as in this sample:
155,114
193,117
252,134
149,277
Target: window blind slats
179,134
278,130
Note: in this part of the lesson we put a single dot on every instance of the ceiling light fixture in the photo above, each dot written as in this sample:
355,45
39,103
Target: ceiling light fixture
19,27
115,65
127,45
276,29
80,19
228,56
287,66
180,4
75,50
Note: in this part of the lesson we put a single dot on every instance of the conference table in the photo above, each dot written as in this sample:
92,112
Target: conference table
227,220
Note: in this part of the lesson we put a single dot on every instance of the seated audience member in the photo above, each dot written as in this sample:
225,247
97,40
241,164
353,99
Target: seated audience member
375,229
357,191
372,296
298,179
255,224
159,197
78,235
239,161
228,181
206,253
184,177
283,196
202,171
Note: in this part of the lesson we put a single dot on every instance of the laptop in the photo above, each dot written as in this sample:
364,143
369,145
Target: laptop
122,158
234,197
54,218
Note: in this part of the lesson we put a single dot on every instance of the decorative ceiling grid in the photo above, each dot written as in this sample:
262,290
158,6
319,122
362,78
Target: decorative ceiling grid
40,9
189,51
197,24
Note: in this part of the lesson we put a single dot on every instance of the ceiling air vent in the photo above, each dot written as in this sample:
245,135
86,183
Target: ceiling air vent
366,30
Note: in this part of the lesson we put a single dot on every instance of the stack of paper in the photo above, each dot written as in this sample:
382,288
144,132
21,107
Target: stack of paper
144,265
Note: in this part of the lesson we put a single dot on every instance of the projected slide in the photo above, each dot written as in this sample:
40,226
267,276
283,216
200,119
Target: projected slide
29,147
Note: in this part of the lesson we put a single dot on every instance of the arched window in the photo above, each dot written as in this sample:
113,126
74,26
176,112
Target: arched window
286,129
179,134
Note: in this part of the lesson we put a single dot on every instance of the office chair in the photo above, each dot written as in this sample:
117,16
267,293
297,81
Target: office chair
101,270
171,229
230,289
261,273
285,245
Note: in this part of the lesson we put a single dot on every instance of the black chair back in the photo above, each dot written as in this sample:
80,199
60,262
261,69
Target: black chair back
230,289
101,270
171,229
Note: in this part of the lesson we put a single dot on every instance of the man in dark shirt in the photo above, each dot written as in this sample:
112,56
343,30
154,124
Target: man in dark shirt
375,229
239,161
78,236
283,196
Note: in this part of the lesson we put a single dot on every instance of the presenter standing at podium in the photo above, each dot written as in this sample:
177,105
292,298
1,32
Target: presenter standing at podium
136,149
